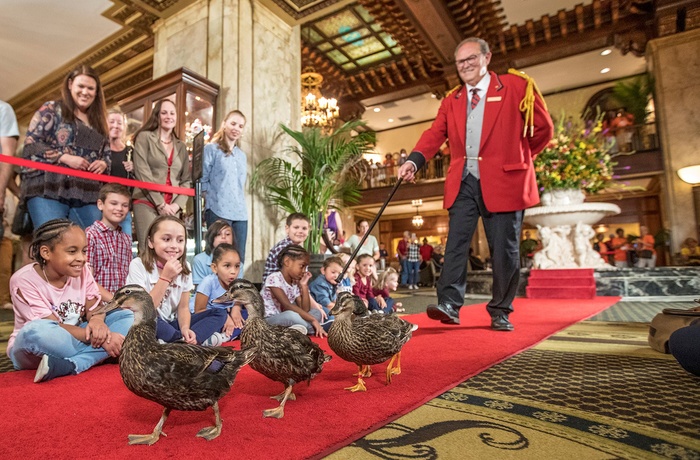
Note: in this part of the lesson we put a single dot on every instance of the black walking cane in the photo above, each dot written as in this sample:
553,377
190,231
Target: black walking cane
369,230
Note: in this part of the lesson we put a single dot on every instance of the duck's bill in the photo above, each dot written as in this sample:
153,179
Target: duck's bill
104,307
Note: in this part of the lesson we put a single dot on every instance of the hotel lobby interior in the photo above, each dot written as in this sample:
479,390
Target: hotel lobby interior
579,378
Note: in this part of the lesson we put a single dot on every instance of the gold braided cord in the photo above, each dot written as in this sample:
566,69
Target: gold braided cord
452,90
527,105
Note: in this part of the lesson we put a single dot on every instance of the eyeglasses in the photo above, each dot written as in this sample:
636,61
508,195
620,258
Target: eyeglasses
470,60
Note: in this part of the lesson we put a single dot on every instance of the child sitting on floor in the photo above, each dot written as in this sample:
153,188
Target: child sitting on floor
363,284
388,282
225,265
286,294
323,287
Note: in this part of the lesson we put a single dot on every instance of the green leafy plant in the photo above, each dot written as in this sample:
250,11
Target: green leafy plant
634,95
576,158
323,173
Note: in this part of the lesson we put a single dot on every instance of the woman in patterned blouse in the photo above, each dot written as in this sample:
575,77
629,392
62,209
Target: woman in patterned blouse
71,132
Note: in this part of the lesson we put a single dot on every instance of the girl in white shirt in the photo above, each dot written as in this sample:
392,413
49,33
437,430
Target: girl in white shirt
163,271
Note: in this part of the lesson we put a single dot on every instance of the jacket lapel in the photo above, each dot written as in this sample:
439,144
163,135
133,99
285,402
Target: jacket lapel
459,106
493,108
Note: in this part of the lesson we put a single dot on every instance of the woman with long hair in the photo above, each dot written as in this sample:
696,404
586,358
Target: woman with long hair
70,132
122,164
223,179
160,157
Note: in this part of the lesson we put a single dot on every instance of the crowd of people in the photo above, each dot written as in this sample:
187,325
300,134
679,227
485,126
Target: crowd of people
383,173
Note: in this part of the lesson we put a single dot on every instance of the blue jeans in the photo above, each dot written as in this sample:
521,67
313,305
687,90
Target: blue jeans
240,232
289,318
374,305
404,271
127,226
203,324
413,272
46,337
43,210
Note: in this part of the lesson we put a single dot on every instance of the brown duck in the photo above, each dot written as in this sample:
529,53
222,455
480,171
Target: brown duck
367,340
283,354
175,375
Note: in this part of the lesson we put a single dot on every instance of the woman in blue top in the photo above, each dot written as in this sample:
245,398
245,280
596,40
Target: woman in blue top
223,179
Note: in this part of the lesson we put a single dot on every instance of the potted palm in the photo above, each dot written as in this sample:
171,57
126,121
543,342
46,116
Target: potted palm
324,171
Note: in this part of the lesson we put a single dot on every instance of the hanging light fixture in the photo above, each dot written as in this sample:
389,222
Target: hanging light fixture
316,110
417,220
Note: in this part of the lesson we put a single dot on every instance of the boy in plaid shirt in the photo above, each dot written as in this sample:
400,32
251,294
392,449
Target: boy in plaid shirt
109,248
297,229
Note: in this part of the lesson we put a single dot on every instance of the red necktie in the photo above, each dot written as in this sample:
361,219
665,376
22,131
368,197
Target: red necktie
475,97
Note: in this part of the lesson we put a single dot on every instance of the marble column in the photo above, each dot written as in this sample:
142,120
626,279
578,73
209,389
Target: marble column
255,57
675,64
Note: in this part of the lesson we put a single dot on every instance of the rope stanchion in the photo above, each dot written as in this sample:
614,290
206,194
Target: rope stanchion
162,188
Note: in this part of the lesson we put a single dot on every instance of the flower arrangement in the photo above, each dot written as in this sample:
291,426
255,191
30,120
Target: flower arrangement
577,157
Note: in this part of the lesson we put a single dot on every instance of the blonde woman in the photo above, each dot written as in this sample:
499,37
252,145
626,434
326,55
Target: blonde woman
223,179
122,164
159,158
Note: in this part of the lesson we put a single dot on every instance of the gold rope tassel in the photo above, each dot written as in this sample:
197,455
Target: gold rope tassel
527,105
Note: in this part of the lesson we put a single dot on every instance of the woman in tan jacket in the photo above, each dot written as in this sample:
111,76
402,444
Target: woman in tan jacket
160,158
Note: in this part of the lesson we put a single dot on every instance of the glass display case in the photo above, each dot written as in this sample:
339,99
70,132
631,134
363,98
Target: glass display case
193,95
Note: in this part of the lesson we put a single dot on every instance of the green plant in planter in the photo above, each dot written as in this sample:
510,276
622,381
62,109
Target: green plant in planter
634,96
325,171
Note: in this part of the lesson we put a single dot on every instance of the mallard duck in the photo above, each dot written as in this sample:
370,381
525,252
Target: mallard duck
367,340
175,375
284,355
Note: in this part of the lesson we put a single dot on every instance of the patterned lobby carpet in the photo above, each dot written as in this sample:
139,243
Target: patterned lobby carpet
593,391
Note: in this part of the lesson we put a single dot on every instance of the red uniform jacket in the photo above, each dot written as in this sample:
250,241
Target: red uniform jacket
505,156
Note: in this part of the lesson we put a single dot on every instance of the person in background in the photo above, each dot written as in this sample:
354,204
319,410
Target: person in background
599,246
426,252
218,232
647,253
159,158
370,246
413,259
620,246
122,166
9,134
496,125
333,226
383,255
70,132
527,248
690,252
402,254
224,175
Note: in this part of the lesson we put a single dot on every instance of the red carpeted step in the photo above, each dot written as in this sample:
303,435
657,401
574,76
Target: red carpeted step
570,292
576,283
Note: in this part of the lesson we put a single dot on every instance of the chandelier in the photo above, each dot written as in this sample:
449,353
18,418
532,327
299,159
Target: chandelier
417,220
316,110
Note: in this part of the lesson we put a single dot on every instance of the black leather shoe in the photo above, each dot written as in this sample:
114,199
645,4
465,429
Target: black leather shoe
444,312
501,323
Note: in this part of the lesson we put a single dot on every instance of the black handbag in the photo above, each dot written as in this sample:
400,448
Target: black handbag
22,223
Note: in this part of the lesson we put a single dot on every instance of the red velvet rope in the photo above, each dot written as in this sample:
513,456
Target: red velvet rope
162,188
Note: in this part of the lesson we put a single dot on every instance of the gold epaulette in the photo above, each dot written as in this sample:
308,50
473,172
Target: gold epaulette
527,105
452,90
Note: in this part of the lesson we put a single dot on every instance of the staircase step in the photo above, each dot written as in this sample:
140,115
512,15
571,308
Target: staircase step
560,292
561,282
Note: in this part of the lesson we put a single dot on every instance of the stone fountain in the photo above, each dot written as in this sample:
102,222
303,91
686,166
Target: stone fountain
564,224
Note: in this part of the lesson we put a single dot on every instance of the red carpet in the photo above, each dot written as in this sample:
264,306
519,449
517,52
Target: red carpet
90,415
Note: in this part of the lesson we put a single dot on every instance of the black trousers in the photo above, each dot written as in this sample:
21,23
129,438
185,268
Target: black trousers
503,236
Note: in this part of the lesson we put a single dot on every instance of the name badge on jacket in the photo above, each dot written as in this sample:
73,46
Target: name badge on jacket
494,99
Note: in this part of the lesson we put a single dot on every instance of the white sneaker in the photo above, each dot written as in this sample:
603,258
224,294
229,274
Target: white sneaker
42,369
415,286
216,339
410,286
299,328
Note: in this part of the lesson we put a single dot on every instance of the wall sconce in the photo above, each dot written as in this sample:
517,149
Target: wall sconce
690,174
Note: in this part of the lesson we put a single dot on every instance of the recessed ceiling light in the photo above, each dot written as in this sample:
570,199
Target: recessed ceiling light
605,52
390,120
605,70
377,109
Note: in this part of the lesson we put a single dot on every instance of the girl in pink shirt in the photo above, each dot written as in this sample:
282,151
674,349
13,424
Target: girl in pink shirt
55,330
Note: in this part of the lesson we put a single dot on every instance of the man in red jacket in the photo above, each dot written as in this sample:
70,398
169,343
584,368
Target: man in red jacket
493,142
